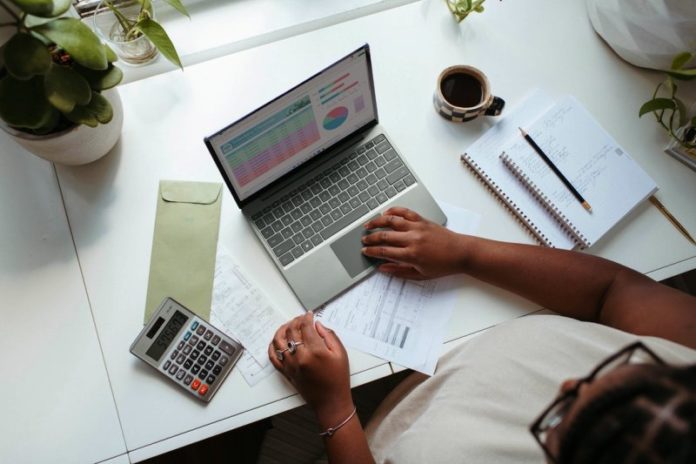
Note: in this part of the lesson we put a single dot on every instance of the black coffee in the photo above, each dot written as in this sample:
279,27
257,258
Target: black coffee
461,90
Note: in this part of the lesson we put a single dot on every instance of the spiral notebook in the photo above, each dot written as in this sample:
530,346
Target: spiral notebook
595,164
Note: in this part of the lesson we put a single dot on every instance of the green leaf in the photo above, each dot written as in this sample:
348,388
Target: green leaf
101,80
178,6
23,104
26,56
43,8
97,111
656,104
50,125
66,88
160,39
680,60
111,55
681,109
77,39
683,74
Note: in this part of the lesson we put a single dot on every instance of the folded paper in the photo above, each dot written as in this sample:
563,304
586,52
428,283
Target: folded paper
182,263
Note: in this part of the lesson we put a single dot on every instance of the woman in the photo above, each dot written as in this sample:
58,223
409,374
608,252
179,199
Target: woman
485,394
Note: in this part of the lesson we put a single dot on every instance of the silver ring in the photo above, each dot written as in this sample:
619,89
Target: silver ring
292,346
280,355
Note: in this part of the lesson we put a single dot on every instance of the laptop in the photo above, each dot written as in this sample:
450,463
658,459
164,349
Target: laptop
309,168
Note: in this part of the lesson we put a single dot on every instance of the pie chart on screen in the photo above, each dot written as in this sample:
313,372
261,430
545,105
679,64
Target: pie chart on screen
335,118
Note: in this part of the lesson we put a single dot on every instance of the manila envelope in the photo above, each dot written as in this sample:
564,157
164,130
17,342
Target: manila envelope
182,264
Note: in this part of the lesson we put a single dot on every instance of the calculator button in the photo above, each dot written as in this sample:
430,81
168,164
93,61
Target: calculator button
188,379
202,359
194,355
188,364
210,379
180,359
195,369
194,325
202,374
180,345
173,369
187,349
187,336
203,390
216,339
180,375
216,355
223,360
217,369
193,340
174,355
166,365
227,348
208,335
201,330
209,365
208,350
196,383
200,345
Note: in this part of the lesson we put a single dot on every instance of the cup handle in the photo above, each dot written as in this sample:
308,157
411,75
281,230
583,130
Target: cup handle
496,107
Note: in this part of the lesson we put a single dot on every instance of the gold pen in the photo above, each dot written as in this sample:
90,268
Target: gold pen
658,204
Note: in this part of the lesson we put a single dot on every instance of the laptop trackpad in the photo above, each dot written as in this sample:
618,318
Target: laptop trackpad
348,250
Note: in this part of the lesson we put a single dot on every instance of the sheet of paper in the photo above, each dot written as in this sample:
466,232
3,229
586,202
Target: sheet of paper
398,320
241,310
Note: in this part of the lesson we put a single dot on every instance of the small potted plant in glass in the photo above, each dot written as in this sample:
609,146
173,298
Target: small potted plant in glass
130,28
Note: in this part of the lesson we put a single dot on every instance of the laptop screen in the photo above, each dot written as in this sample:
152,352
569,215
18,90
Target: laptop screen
297,126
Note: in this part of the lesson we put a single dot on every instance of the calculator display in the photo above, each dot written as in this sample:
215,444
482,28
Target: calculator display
167,335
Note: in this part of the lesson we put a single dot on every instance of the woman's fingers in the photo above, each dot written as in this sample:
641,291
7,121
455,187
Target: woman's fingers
389,221
386,237
387,252
404,213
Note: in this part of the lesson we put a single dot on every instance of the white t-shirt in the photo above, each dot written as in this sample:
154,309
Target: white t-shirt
478,406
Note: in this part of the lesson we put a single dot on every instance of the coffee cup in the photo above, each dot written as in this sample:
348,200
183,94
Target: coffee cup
464,93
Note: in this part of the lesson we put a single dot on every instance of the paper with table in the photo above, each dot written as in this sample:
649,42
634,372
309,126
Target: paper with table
184,245
398,320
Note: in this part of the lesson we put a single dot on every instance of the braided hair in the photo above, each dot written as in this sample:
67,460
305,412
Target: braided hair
648,419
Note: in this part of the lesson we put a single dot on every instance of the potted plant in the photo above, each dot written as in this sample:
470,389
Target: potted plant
129,26
460,9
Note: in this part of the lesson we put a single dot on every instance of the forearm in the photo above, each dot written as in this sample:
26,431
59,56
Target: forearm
569,283
348,445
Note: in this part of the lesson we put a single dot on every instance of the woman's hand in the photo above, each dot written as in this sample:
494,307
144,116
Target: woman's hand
417,248
318,369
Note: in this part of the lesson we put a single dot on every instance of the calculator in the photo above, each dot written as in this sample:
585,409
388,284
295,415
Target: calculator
187,350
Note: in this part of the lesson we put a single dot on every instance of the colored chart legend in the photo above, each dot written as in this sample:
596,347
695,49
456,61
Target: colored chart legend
335,118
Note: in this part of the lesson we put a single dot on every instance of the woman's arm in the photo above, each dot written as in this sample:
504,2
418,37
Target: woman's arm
569,283
319,371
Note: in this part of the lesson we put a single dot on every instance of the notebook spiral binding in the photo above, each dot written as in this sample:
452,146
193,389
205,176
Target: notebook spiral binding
562,219
505,200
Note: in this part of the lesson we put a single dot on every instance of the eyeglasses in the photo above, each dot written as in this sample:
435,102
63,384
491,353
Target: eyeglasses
553,415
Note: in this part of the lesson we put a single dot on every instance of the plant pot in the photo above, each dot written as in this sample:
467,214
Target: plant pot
78,144
646,33
135,52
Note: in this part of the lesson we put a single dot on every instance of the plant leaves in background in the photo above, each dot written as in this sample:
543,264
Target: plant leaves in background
680,60
681,109
26,56
66,88
656,104
97,111
101,80
178,6
77,39
160,39
682,74
23,104
43,8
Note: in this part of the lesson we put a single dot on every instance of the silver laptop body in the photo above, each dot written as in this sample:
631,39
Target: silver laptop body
309,168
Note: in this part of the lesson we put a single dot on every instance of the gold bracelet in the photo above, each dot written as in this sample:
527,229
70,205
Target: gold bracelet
331,430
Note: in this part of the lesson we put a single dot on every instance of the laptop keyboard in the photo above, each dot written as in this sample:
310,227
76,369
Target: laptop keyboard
332,200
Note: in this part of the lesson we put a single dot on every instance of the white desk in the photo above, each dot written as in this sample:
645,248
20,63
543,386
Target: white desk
55,400
111,203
